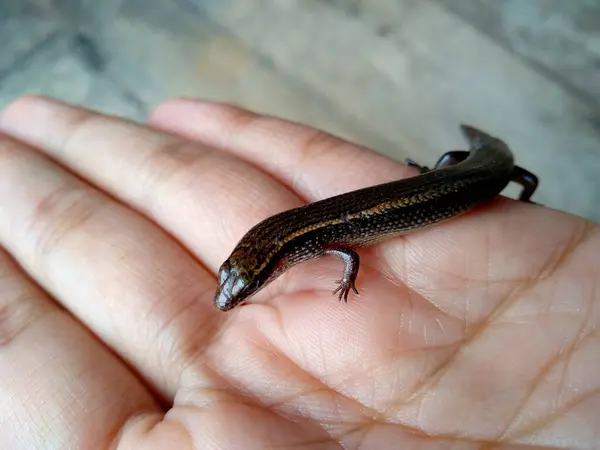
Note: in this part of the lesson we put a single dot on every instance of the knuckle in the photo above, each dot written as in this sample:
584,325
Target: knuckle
239,123
21,302
66,210
317,144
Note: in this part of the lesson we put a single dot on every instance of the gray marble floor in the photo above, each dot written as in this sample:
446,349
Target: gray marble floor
396,75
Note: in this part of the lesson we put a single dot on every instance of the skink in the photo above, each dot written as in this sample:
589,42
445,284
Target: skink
337,225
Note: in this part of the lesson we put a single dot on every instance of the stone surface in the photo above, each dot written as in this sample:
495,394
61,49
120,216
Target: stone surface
398,76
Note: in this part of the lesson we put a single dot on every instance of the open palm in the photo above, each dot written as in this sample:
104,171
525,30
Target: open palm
479,332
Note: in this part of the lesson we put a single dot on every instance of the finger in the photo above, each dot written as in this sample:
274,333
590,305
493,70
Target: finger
195,192
454,266
206,198
57,382
319,165
118,273
312,162
58,130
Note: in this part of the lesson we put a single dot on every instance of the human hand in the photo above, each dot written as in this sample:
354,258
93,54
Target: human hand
479,332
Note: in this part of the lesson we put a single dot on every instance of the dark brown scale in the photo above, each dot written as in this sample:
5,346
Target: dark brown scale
336,225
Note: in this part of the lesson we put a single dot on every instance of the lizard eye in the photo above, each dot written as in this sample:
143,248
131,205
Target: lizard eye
253,285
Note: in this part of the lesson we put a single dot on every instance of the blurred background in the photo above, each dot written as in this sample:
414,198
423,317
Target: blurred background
396,75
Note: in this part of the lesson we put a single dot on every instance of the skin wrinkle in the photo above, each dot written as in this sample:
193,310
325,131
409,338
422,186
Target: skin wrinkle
17,314
485,248
312,379
524,285
442,329
397,279
112,437
183,431
436,307
316,139
454,276
361,406
201,354
578,237
241,120
239,398
26,321
266,124
375,411
210,373
189,350
533,388
175,161
373,395
304,355
79,123
164,163
146,204
158,400
556,415
9,329
179,173
196,348
84,121
423,385
176,153
301,134
552,269
246,398
524,316
316,144
88,120
236,123
61,222
395,406
476,330
286,359
192,299
576,346
409,293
